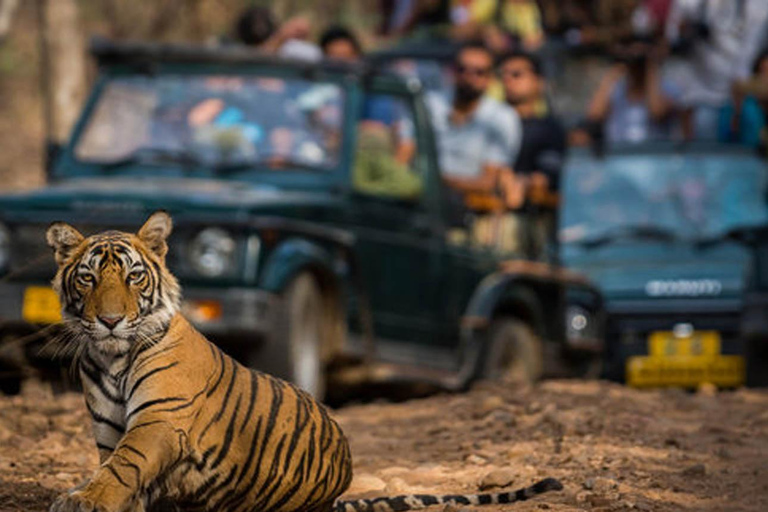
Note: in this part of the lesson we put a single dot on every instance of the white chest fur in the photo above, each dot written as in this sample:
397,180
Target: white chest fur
104,385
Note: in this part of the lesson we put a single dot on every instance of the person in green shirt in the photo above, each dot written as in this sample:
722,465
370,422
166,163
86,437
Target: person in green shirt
378,170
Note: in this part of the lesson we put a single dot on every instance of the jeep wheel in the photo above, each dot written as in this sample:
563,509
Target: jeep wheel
294,352
515,353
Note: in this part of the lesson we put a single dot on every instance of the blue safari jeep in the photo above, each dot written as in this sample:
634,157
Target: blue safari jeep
653,225
313,235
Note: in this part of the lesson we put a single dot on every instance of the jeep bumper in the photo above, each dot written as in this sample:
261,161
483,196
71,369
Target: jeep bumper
230,311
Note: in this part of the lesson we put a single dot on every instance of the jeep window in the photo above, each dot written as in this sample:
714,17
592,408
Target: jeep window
435,76
217,121
691,197
385,155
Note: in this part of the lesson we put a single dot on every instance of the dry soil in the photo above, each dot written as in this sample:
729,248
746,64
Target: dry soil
614,449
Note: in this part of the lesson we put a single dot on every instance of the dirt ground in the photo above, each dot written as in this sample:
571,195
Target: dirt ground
613,448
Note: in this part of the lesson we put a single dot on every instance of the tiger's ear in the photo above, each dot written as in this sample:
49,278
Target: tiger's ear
155,231
64,239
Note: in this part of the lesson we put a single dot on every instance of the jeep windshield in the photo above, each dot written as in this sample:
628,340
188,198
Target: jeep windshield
219,122
662,194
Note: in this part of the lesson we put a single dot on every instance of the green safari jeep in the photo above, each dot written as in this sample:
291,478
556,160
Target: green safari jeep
313,236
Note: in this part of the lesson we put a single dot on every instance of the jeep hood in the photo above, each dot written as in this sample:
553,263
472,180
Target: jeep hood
665,272
88,199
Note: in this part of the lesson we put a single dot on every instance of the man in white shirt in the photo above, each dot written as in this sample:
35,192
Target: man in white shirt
477,136
726,36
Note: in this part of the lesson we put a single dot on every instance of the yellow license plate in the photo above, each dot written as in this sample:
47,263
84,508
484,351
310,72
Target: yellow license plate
41,305
686,362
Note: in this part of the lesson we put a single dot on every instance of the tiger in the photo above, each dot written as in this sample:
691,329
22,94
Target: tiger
180,425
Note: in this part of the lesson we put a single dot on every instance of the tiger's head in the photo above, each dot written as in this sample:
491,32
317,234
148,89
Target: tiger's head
114,287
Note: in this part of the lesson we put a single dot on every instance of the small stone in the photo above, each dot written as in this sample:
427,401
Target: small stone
543,506
707,389
397,486
439,429
723,453
581,496
474,459
497,478
502,418
599,501
486,454
450,507
367,483
600,485
697,470
534,407
487,406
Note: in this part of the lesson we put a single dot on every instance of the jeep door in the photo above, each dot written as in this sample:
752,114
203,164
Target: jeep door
397,249
467,261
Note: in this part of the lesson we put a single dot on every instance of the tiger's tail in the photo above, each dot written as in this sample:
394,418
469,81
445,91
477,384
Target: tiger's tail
419,501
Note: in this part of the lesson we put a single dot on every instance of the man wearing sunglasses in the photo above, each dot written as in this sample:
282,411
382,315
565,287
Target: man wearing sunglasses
478,137
542,151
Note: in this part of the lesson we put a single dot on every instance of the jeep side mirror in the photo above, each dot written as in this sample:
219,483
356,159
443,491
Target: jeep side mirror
52,151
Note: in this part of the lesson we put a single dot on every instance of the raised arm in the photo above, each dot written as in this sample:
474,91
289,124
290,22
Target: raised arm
659,105
600,105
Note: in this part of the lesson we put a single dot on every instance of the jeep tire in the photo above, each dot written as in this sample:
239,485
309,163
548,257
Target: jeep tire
294,349
515,353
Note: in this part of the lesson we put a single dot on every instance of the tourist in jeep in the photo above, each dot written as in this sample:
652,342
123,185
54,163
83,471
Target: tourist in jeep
633,102
542,151
478,137
386,145
258,27
339,43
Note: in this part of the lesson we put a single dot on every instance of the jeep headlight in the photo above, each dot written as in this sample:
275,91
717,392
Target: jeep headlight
578,323
5,247
212,252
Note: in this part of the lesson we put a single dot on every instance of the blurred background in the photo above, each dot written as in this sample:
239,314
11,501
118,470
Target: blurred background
556,30
23,28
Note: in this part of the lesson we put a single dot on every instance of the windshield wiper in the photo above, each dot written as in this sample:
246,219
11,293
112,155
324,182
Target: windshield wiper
154,156
744,234
268,161
620,232
190,159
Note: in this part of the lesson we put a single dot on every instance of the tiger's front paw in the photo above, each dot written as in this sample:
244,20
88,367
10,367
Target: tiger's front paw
75,502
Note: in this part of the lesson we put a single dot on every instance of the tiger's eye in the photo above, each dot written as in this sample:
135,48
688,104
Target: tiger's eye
136,275
86,279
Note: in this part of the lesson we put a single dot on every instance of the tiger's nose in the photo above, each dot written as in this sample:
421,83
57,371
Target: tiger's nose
110,321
